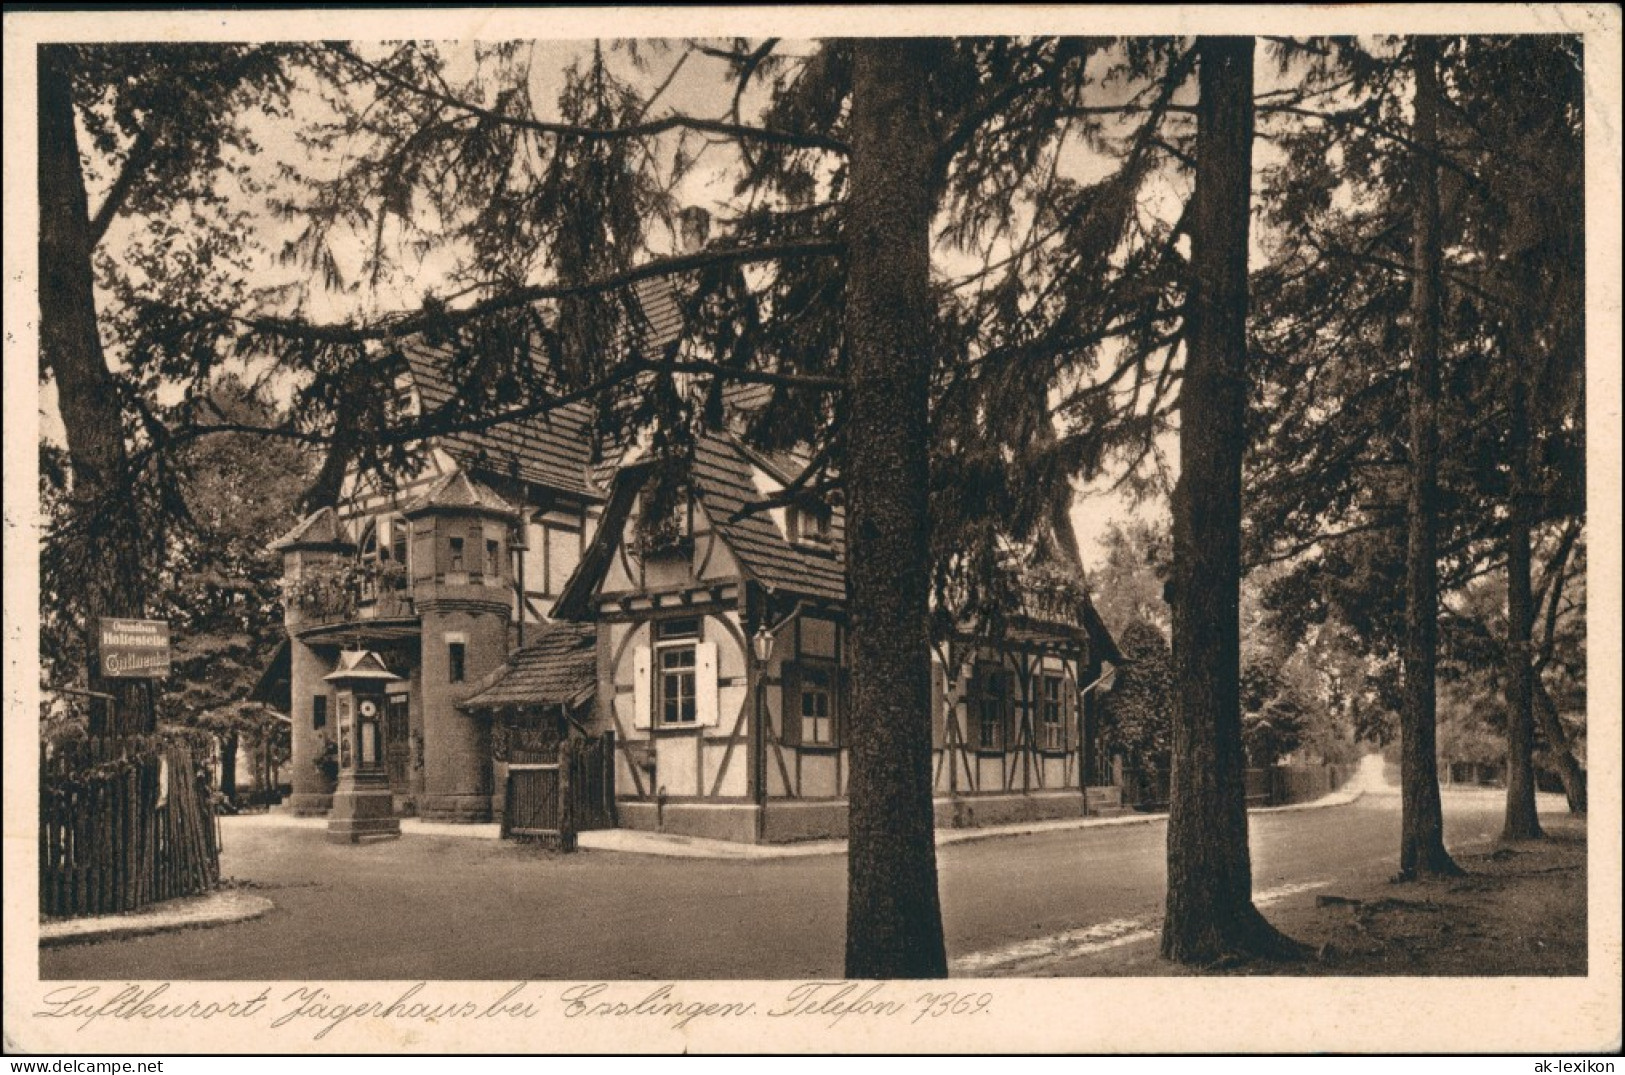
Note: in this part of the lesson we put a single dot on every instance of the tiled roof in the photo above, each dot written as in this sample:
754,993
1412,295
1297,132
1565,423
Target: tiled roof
552,449
662,317
558,668
722,474
722,478
742,399
458,490
321,528
1100,636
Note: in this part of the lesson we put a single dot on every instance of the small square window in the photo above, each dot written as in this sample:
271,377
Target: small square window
667,531
817,706
688,627
809,525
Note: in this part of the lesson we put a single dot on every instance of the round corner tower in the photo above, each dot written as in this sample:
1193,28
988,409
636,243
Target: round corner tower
313,555
460,533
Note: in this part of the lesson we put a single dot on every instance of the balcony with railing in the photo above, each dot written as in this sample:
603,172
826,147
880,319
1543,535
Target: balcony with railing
1051,598
350,592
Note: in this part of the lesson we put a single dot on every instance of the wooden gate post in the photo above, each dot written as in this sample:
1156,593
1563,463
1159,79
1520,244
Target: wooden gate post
607,755
567,811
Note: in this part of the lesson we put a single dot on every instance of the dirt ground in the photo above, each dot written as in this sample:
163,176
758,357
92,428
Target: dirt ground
1520,910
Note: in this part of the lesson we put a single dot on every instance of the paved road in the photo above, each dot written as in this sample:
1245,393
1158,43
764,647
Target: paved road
459,908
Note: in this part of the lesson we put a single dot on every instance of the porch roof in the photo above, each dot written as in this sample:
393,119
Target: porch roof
558,668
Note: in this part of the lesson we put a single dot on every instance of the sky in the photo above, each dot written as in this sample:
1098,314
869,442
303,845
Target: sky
690,83
699,87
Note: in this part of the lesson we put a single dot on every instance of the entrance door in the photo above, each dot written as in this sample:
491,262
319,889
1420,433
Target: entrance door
398,742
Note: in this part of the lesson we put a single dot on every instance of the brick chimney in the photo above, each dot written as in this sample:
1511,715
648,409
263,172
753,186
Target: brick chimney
694,228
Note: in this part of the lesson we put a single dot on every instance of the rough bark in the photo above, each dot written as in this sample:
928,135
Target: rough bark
1421,847
1573,774
107,524
894,918
1522,822
1210,913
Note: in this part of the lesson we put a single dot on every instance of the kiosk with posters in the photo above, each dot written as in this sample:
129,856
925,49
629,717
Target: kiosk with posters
363,807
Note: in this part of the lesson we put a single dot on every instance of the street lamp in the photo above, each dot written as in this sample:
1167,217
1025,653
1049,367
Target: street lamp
762,645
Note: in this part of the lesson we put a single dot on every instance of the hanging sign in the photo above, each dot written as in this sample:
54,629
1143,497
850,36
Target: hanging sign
133,649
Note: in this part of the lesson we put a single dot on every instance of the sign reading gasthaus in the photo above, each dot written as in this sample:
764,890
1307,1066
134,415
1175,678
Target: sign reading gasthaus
133,649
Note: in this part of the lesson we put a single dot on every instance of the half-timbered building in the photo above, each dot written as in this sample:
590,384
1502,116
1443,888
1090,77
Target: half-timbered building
446,575
521,595
722,650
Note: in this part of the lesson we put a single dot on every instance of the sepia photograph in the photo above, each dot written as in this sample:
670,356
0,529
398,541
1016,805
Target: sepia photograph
813,530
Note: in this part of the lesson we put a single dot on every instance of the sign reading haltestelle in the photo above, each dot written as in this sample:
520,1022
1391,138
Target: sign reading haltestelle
133,649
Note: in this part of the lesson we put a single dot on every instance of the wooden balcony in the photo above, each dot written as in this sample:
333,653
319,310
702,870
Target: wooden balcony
370,601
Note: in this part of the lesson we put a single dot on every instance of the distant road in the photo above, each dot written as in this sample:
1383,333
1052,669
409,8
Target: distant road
450,907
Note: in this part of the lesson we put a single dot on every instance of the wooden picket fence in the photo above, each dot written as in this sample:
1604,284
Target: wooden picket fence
124,822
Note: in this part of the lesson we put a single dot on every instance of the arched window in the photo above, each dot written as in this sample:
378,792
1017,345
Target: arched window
369,541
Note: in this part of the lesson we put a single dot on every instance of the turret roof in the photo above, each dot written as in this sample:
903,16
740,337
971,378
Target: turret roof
457,490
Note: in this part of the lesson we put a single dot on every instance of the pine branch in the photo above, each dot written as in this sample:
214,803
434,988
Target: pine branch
799,484
135,163
790,139
409,324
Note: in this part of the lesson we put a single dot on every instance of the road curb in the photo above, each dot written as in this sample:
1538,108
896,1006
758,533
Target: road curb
962,836
669,846
191,912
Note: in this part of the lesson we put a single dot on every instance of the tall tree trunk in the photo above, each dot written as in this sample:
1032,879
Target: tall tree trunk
107,526
1551,725
1210,911
1522,822
228,766
893,914
1421,847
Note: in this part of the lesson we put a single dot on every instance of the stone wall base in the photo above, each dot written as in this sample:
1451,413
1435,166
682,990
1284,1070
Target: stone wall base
975,811
735,822
794,820
811,819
